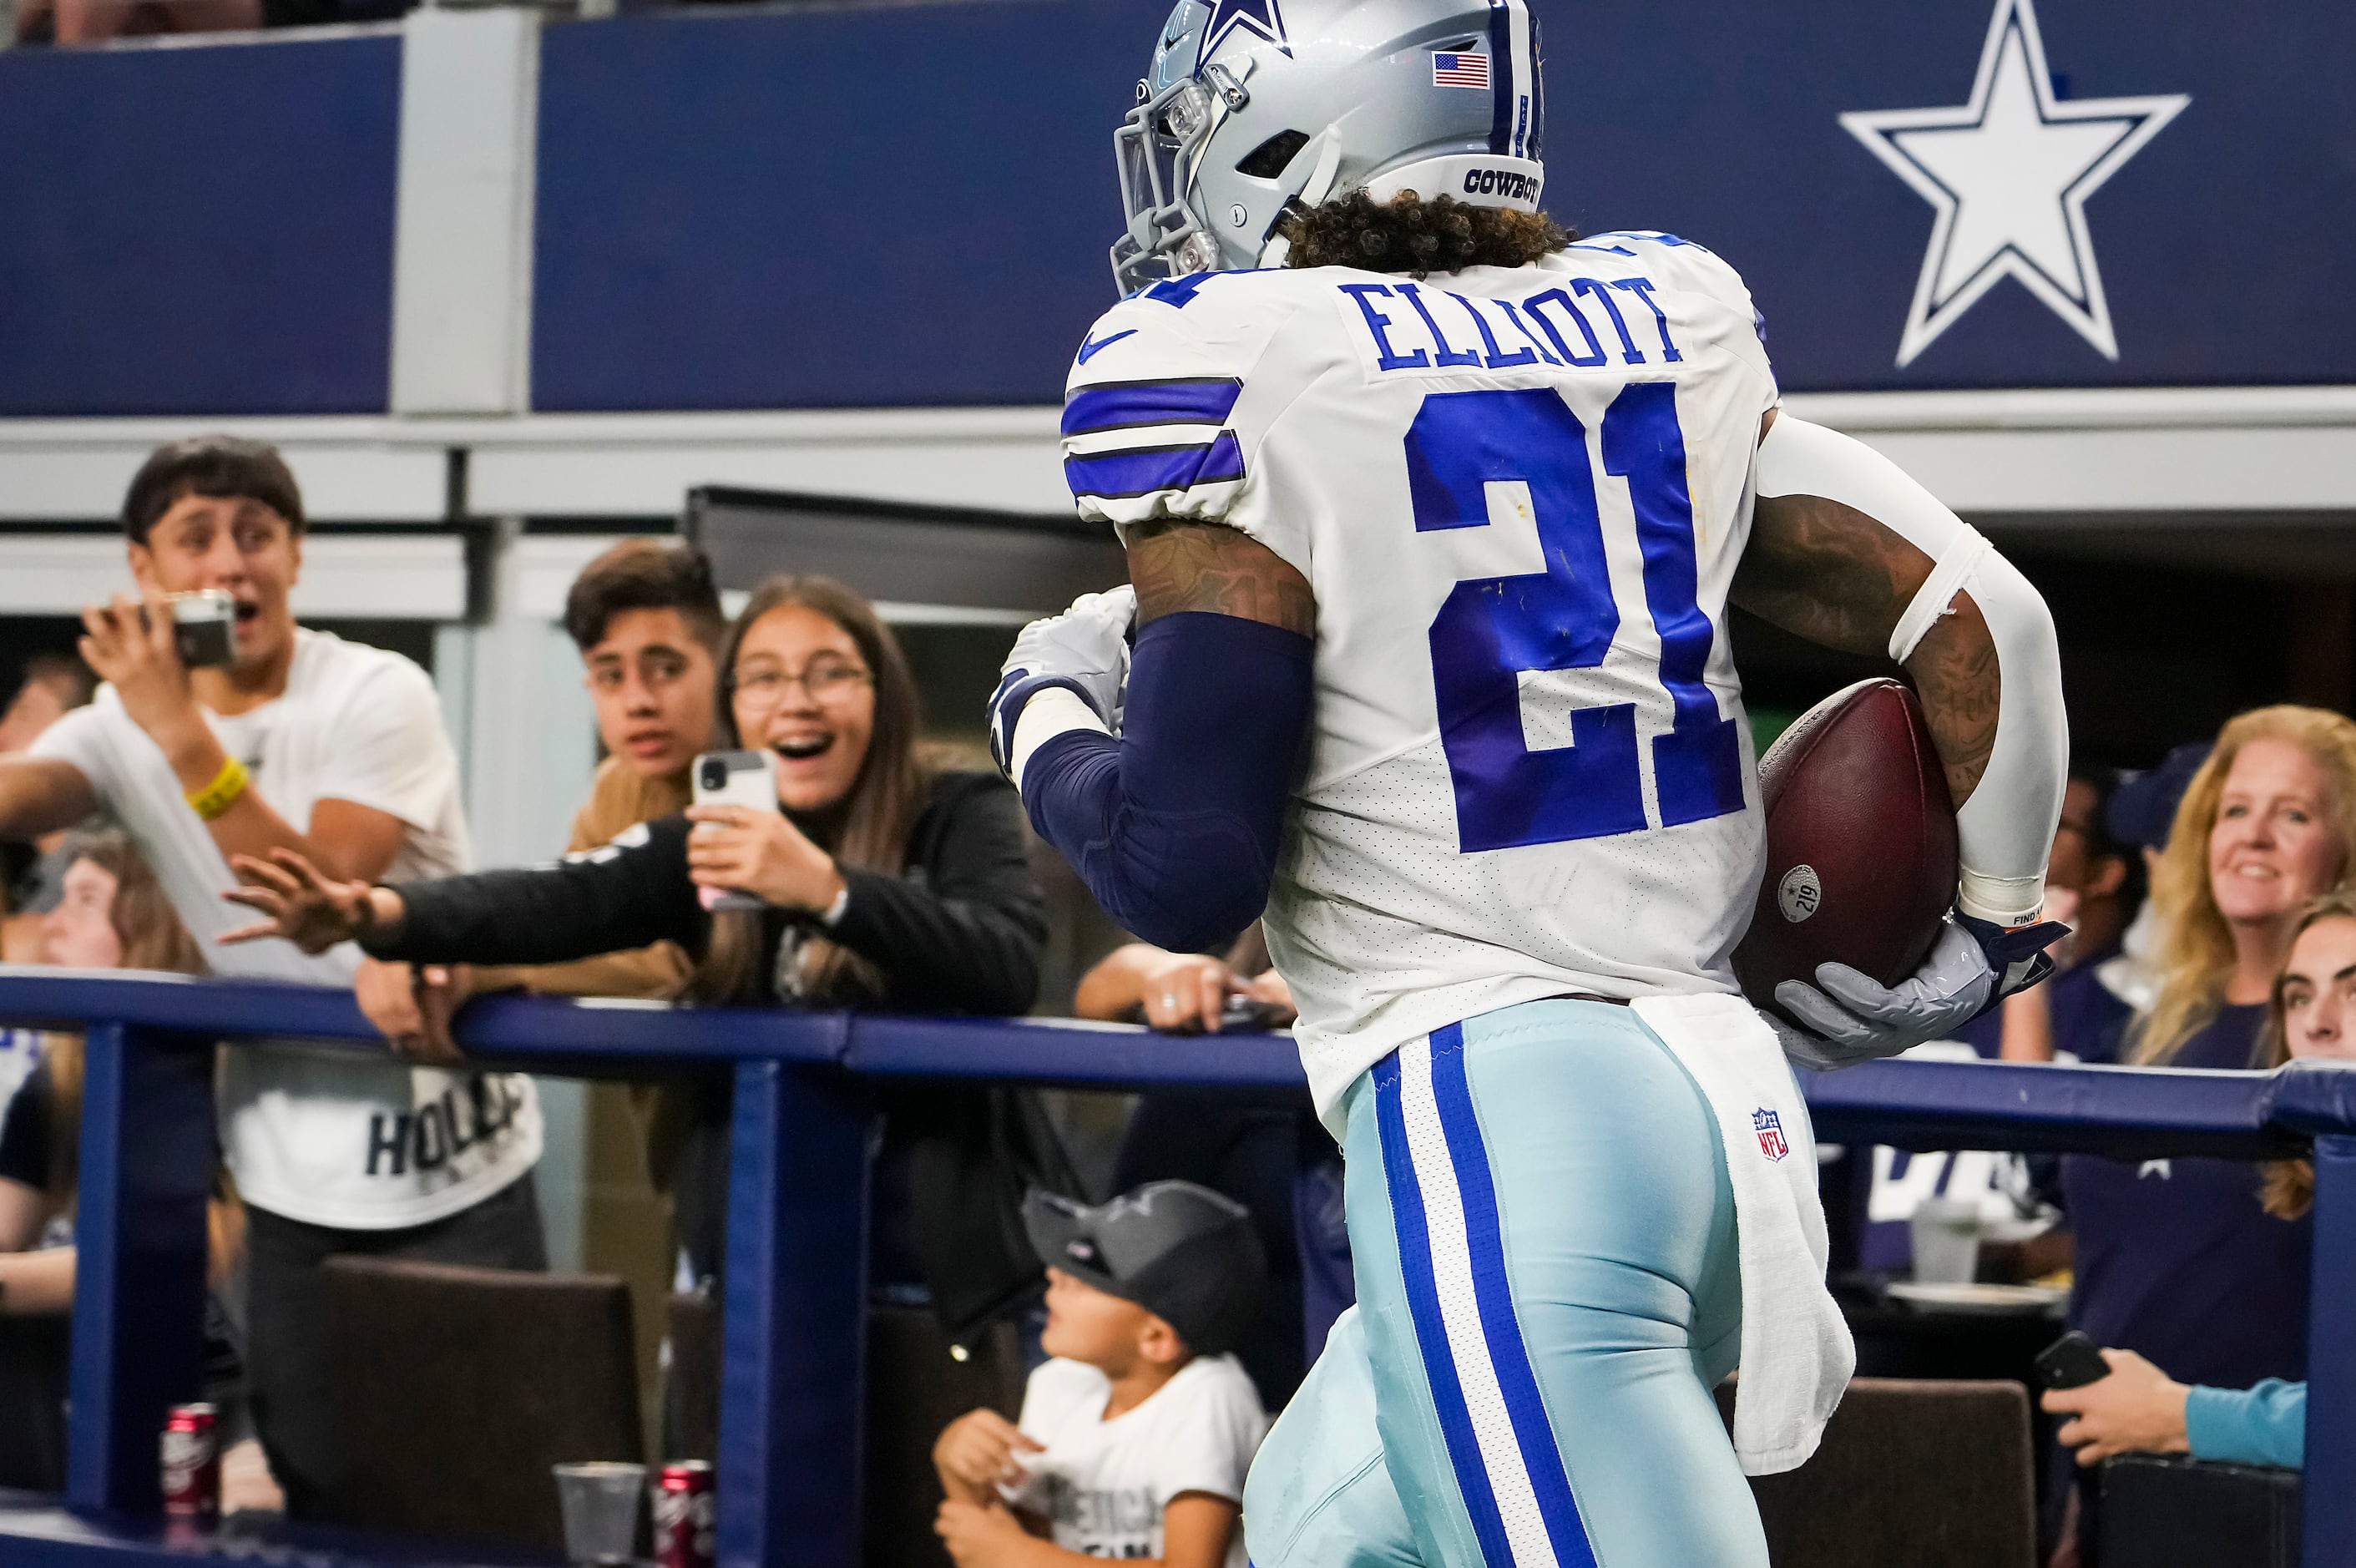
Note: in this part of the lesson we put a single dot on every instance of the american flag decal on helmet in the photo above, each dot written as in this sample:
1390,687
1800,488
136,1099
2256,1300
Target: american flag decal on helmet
1461,70
1769,1128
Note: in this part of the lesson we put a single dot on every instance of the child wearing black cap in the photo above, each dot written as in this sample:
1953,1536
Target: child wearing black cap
1135,1438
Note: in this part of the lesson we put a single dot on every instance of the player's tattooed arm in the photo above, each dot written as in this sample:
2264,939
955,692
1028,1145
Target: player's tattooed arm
1956,675
1835,576
1184,565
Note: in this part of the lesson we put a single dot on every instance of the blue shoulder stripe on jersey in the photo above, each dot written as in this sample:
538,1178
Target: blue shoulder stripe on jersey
1179,293
1655,235
1122,405
1145,470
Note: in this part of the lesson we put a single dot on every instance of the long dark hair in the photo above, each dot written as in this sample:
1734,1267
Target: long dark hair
875,817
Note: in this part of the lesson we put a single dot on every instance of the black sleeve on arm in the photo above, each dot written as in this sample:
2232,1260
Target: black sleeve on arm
627,894
1175,826
25,1132
968,938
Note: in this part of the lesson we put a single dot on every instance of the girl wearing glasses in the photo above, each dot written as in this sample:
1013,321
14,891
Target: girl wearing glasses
885,879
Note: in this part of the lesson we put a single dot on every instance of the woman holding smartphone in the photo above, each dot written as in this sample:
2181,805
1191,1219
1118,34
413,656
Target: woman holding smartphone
879,879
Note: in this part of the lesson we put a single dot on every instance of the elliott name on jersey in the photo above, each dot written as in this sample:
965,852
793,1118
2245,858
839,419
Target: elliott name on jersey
1520,495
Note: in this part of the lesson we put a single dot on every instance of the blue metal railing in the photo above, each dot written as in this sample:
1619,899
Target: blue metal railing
795,1291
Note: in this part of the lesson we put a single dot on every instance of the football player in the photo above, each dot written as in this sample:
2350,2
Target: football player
1433,515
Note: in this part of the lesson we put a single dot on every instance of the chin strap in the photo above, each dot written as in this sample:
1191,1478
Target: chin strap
1328,147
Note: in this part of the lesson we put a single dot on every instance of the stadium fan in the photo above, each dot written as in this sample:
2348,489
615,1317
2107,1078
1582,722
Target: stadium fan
646,618
1185,992
882,878
1254,1154
1433,515
2139,1408
1136,1433
2095,884
279,736
112,914
92,21
54,685
2176,1259
2142,812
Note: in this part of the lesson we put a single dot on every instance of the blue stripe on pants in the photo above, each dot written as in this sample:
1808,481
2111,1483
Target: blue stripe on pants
1600,1168
1430,1331
1508,1358
1507,1354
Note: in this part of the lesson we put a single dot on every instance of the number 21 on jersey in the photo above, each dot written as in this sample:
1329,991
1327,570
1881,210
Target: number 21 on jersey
1492,628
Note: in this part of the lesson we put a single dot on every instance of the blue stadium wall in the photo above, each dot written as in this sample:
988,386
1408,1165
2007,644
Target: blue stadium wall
909,206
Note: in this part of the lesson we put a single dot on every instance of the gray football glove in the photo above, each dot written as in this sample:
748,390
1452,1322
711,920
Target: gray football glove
1853,1018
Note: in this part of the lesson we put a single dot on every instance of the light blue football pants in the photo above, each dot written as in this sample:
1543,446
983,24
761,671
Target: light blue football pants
1543,1236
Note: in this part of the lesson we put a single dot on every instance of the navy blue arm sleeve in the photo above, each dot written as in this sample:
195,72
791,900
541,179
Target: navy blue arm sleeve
1174,825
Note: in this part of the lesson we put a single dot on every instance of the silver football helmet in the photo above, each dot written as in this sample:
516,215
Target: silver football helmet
1253,105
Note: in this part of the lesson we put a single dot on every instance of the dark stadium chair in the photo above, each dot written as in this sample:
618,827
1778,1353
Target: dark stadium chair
2173,1511
915,1388
33,1402
690,1396
460,1388
1931,1474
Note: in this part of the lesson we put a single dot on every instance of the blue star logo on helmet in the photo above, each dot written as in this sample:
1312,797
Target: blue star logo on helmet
1261,16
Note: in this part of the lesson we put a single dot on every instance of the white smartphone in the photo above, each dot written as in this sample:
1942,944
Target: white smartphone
734,779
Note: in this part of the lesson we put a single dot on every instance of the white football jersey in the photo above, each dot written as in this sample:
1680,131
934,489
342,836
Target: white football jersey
1520,495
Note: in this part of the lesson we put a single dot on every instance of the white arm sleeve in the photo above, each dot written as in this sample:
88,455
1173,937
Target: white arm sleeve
2006,829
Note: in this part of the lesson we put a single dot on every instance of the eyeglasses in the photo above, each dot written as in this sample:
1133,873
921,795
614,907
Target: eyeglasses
825,682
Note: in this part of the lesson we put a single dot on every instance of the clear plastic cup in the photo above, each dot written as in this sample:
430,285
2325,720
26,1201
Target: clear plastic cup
601,1503
1946,1235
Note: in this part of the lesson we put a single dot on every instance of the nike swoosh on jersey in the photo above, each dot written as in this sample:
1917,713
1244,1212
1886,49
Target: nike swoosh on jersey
1091,348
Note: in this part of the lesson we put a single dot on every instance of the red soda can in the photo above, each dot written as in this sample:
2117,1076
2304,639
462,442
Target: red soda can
191,1462
685,1510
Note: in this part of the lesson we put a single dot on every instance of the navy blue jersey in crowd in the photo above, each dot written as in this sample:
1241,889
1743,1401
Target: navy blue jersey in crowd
2088,1021
2176,1261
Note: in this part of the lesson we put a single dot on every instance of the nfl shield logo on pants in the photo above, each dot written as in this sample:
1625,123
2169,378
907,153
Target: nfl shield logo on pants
1770,1133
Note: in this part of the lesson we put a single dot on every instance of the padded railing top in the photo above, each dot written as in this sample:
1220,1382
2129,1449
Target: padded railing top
2128,1113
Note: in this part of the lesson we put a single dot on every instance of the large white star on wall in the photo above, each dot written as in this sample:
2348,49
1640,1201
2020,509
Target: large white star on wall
2008,174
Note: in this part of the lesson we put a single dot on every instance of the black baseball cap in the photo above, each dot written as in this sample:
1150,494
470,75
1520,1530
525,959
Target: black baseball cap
2142,809
1181,1252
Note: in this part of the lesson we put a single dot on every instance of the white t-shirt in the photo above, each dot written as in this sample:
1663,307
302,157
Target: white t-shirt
324,1137
1102,1485
1520,495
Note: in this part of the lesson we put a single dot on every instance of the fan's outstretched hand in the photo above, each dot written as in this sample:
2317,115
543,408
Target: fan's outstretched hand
299,902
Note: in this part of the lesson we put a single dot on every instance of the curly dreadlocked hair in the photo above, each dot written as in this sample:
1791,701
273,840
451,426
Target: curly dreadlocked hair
1408,234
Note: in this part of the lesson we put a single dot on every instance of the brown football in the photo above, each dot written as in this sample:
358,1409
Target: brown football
1860,844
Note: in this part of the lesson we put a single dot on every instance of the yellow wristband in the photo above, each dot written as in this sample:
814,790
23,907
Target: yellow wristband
221,794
